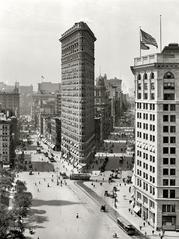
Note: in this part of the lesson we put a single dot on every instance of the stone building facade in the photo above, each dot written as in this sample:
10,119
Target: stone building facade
156,173
77,100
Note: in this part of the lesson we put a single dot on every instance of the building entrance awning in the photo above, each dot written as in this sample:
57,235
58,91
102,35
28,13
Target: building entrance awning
136,209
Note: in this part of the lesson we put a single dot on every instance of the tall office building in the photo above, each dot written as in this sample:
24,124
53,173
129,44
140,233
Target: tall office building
77,100
9,102
156,171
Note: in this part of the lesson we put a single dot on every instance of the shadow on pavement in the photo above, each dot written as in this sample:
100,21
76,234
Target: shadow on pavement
36,211
35,217
38,202
42,166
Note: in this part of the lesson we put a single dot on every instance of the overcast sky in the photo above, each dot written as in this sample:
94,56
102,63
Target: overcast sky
30,29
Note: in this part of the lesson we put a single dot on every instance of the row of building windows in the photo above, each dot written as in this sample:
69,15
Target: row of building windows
152,86
145,156
171,150
145,126
171,171
171,161
145,200
146,116
168,208
166,86
145,76
166,96
145,97
169,107
146,188
171,140
167,129
167,181
168,193
169,118
145,166
146,136
146,106
152,170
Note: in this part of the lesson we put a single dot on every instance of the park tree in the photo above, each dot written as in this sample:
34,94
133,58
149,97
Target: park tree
22,203
20,186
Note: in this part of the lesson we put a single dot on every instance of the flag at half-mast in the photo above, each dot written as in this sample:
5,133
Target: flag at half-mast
148,39
143,46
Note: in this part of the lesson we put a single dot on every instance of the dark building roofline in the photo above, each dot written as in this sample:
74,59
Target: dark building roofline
78,26
172,48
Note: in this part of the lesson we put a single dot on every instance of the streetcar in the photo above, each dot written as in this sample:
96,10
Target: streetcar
80,176
126,226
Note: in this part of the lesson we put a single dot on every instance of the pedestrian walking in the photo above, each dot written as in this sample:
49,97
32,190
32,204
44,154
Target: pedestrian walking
77,216
140,227
144,224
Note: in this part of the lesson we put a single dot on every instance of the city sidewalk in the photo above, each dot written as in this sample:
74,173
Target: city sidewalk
124,208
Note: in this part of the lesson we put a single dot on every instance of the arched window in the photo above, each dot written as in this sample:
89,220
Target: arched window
139,77
151,75
169,86
169,75
145,76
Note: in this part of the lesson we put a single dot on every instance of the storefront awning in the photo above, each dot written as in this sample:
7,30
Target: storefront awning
136,209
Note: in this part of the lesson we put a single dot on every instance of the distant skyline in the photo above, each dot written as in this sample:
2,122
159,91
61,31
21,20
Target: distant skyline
30,32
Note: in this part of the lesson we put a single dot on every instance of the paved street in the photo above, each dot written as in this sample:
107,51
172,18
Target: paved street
55,207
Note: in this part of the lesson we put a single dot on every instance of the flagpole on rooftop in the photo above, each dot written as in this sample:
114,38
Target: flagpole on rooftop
140,39
160,33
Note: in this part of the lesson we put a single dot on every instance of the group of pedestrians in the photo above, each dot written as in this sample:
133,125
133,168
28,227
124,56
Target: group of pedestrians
58,180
